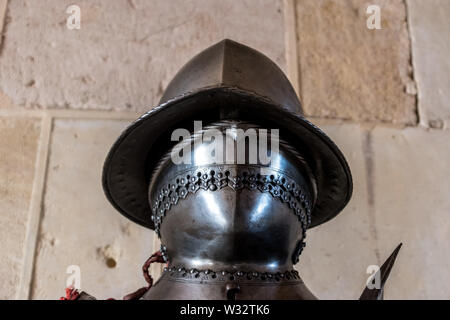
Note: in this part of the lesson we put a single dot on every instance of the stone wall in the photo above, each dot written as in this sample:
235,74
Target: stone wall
65,95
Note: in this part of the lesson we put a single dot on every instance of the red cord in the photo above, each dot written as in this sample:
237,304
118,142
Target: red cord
156,257
73,294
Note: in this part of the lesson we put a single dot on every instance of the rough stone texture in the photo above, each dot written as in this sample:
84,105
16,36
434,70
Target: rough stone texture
350,72
400,195
79,227
334,262
18,147
2,16
412,205
430,24
3,4
4,100
126,52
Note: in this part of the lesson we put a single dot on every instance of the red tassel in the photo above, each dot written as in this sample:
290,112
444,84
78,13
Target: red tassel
71,294
156,257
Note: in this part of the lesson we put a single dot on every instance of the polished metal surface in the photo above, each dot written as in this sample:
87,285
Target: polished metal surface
235,221
232,64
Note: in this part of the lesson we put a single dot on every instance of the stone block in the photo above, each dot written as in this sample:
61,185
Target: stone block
412,206
79,227
125,52
348,71
429,27
19,142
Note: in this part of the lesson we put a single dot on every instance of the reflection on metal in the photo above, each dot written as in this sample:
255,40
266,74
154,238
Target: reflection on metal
257,214
213,209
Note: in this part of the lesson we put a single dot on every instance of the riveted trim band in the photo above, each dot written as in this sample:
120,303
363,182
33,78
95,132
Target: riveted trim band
181,273
278,184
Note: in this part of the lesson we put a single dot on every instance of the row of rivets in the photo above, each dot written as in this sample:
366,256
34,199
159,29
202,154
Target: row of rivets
163,205
249,275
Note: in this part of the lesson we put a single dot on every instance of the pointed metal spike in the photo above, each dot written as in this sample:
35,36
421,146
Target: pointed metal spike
377,294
